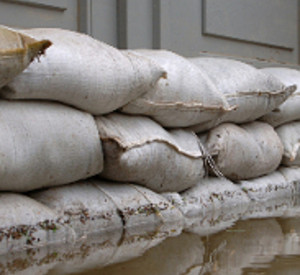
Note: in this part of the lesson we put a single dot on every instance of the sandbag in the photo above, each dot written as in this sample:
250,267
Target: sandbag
82,206
45,144
246,151
186,97
17,51
290,109
139,150
290,134
268,187
95,206
253,92
83,72
292,176
27,223
211,206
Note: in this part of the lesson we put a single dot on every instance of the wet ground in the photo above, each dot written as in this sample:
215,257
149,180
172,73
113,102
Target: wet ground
264,240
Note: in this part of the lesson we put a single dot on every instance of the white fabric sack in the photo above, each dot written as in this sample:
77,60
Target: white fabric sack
139,150
186,97
83,206
83,72
141,208
270,187
290,135
45,144
17,51
253,92
27,223
211,206
292,176
95,206
290,109
246,151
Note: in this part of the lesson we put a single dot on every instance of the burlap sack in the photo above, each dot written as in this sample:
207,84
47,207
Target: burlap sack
290,134
27,223
139,150
246,151
45,144
186,97
253,92
290,109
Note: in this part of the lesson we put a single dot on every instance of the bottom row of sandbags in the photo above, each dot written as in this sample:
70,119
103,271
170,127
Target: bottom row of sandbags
68,213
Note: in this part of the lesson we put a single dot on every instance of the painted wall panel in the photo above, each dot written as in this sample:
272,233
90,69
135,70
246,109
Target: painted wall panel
181,29
39,14
135,24
104,21
270,22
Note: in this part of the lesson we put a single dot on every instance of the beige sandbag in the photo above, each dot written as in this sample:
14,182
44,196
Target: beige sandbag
268,187
83,206
292,176
45,144
83,72
17,51
139,150
246,151
211,206
290,109
26,223
185,98
253,92
290,134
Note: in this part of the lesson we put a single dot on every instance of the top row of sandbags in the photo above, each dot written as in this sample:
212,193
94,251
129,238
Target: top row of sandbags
83,72
176,92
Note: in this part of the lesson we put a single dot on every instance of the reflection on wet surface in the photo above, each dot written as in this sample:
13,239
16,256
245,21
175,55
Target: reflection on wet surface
264,240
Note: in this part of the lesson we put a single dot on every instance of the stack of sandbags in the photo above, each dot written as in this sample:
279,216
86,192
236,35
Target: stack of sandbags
43,143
